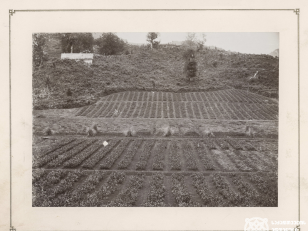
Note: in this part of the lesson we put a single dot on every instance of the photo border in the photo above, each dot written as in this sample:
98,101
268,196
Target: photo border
12,11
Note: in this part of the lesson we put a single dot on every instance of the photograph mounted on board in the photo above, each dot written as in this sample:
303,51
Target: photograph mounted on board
150,119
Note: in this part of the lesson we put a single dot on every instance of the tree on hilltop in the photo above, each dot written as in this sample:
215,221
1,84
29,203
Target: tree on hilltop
151,36
110,44
193,42
38,43
77,42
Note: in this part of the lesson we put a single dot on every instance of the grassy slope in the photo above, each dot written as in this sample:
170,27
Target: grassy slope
144,69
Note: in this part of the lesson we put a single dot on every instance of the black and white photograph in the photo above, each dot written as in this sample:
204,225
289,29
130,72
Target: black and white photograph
155,119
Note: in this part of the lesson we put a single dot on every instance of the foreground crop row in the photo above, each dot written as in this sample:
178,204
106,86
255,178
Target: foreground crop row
71,188
228,155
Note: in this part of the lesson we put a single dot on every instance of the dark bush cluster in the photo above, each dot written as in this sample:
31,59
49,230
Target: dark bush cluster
190,64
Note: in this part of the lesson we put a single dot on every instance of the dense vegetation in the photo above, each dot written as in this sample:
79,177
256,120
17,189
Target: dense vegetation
77,42
148,69
110,44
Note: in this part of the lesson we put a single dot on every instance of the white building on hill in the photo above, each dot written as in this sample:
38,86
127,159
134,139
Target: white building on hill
178,43
86,57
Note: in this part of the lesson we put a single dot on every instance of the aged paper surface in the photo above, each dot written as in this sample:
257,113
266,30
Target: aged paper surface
23,24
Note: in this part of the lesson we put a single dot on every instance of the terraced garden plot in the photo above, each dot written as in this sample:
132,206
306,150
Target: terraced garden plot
155,172
230,95
222,105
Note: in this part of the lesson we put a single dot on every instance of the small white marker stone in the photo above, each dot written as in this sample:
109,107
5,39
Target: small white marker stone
105,143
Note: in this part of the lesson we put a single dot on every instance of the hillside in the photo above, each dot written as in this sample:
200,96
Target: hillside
155,70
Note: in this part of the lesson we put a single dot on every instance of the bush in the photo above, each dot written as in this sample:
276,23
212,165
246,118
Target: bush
190,67
69,92
151,36
110,44
48,132
188,53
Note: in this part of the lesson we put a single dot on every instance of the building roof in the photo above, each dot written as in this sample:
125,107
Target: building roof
76,56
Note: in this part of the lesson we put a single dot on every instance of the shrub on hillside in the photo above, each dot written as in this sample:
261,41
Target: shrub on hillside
190,67
69,92
48,132
188,53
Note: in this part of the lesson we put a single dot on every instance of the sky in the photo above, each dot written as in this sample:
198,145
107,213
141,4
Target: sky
243,42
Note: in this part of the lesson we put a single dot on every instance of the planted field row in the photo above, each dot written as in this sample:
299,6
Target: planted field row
157,192
44,150
189,157
228,155
101,196
189,109
71,188
230,95
128,196
175,157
